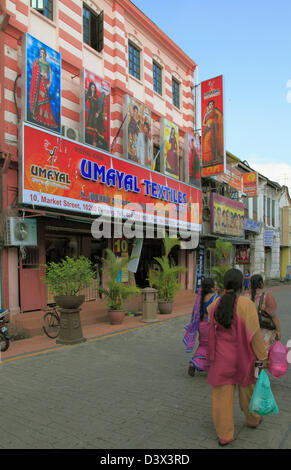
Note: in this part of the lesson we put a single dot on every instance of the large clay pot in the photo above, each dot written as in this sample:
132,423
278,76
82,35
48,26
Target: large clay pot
116,316
165,307
69,301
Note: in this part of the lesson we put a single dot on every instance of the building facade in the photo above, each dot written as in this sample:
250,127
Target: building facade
113,45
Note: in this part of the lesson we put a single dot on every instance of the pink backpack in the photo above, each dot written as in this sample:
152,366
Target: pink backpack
278,363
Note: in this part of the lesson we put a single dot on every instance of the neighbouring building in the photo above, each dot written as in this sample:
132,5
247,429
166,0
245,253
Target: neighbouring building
91,93
285,231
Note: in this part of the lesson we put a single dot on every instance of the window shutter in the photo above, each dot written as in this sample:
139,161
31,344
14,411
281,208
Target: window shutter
100,31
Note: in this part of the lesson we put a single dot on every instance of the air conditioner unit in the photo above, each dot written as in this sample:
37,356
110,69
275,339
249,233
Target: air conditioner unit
70,133
20,232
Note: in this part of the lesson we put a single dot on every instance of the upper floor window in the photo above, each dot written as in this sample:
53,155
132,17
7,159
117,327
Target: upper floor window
157,73
134,60
45,7
176,93
255,208
273,213
268,211
93,28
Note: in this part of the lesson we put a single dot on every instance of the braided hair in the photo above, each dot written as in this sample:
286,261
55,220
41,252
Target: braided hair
257,282
207,286
233,281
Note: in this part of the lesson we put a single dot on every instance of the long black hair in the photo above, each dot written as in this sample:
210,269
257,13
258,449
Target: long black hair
233,282
207,286
257,282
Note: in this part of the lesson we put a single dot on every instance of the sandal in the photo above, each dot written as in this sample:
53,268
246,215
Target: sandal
191,370
222,442
256,425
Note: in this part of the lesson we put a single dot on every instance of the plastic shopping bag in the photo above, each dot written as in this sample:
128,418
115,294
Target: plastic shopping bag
263,401
278,364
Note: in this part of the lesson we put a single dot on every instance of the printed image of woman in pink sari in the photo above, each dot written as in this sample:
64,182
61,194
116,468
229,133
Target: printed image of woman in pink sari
41,80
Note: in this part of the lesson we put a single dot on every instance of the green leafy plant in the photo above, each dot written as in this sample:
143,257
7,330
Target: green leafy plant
68,276
222,251
116,292
164,277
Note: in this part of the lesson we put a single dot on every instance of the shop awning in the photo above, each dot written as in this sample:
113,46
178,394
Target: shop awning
233,240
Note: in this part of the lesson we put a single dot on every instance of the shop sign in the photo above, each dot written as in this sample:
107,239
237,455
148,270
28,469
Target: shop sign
232,177
268,237
120,245
200,267
226,216
67,175
243,254
193,160
250,184
212,109
288,272
42,84
96,110
252,225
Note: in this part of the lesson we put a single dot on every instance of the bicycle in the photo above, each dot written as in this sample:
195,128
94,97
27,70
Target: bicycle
51,322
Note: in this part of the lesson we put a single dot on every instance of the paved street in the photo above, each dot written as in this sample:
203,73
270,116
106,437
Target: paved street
127,391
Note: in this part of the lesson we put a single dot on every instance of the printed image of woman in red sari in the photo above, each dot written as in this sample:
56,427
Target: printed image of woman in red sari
172,156
212,134
41,80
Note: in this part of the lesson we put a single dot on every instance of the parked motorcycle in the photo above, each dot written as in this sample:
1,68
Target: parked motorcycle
4,336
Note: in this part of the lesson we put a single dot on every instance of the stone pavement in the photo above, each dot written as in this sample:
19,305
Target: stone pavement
129,390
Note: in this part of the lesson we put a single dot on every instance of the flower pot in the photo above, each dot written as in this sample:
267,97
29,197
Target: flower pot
116,316
165,307
69,301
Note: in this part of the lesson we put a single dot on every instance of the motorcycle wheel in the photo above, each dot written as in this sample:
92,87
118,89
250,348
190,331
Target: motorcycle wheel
4,342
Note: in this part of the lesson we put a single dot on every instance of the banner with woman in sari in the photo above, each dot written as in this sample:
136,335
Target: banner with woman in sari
43,75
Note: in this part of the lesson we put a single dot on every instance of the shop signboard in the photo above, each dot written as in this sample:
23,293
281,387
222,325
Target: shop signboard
212,109
96,111
268,237
288,272
250,184
42,84
226,216
252,225
232,177
200,267
137,132
170,148
65,175
193,160
243,254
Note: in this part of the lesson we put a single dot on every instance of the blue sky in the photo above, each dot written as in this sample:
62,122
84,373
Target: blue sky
249,42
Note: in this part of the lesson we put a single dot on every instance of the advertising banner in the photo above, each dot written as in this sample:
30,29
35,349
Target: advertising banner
232,176
250,184
96,111
226,216
137,132
243,254
213,148
170,151
268,237
42,72
64,175
252,225
193,162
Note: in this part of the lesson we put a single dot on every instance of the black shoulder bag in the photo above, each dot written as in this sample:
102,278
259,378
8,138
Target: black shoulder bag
266,321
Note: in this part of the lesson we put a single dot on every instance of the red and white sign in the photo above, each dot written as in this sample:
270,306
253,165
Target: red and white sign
232,176
66,175
250,184
213,153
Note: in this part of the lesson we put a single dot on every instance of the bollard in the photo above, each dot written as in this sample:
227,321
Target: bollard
149,305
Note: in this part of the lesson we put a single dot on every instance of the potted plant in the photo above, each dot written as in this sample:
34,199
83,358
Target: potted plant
115,291
164,277
66,278
222,251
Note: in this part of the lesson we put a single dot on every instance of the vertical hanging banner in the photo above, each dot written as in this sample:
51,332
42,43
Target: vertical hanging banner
170,150
137,129
213,148
42,73
193,160
96,111
250,184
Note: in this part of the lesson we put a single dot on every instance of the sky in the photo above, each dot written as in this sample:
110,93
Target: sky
249,43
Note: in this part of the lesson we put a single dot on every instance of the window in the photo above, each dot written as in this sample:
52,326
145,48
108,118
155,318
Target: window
273,213
246,206
268,211
45,7
176,93
157,72
255,208
93,28
134,60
